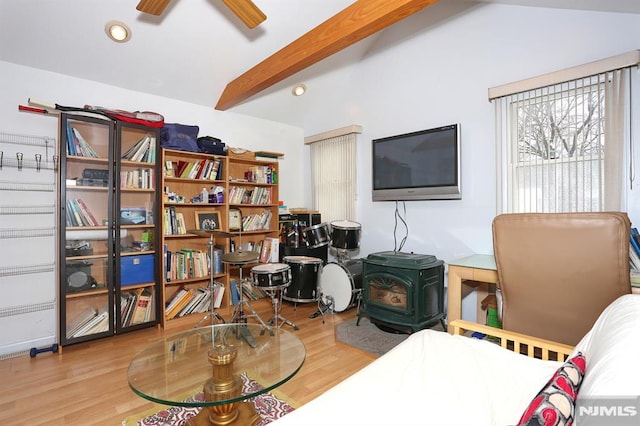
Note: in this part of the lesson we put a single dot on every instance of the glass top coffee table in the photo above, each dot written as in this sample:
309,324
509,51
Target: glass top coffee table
216,360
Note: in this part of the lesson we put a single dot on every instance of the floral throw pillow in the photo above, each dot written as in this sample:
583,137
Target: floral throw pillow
555,404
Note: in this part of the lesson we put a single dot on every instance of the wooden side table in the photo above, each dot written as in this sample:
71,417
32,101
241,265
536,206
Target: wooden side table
465,275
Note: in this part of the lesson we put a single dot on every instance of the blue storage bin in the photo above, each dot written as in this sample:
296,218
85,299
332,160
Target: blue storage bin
136,269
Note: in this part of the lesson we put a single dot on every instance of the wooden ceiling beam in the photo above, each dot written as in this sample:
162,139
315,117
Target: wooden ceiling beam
356,22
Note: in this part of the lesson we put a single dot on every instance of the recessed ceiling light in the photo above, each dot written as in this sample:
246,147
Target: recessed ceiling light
298,89
117,31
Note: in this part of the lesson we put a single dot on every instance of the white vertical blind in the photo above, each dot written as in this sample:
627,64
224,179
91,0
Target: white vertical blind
333,175
561,148
617,104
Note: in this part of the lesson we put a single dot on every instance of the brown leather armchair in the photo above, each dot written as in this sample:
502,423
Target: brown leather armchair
558,271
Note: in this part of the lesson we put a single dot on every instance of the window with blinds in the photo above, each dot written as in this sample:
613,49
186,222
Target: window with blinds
561,146
333,173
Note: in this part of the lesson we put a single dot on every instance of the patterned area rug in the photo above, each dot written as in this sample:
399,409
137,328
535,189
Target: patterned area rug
267,405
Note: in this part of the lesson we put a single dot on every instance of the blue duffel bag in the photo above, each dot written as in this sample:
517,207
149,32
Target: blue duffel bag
179,136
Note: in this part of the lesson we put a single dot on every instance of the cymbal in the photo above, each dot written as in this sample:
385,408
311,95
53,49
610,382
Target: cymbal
240,257
207,232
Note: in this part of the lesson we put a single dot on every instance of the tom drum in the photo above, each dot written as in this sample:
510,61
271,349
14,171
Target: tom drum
305,273
345,234
271,275
317,235
341,282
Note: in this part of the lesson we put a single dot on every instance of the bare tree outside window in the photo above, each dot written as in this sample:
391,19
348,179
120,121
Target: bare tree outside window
563,138
567,125
559,158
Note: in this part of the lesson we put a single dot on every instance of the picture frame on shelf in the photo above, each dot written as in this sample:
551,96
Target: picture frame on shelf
207,220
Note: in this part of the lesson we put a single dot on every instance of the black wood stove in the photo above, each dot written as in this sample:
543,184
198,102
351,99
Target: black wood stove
404,291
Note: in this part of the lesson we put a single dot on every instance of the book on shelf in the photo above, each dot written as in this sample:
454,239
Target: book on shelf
149,313
94,325
83,147
257,221
634,259
101,326
274,248
85,209
218,293
265,252
74,217
80,215
181,225
142,303
635,240
204,303
186,170
174,300
179,301
77,145
253,292
218,266
142,151
183,302
197,295
216,171
204,166
193,171
170,221
235,292
168,169
128,300
208,170
150,155
81,320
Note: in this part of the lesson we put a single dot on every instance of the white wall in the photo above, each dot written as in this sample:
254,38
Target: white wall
421,75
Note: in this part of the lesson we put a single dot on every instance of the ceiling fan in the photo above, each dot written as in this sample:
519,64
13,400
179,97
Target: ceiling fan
246,10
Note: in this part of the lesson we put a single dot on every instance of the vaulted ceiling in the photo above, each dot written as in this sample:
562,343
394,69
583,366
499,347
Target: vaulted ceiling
198,51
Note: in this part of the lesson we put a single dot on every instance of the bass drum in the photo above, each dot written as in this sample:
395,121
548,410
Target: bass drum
341,282
305,272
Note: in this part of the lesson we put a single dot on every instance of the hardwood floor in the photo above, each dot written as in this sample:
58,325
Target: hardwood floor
86,384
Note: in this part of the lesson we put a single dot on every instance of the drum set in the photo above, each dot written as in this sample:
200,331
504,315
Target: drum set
335,286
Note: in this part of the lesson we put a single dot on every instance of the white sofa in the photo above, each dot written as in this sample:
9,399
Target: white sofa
435,378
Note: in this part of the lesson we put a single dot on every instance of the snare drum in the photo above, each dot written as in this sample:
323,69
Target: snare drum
305,274
345,234
271,275
341,282
317,235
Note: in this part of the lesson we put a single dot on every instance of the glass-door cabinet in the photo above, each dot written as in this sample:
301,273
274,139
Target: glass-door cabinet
107,200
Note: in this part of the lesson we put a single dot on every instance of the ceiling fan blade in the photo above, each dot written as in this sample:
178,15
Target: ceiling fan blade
247,11
153,7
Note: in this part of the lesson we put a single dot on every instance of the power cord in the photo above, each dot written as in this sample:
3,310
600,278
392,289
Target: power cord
401,218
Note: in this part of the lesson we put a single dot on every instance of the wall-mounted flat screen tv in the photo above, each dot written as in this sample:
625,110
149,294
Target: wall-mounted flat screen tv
422,165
